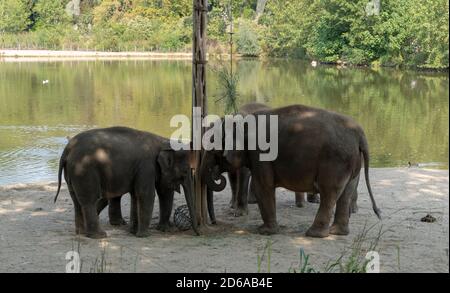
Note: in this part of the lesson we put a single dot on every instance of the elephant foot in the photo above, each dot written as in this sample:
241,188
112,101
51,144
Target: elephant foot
164,227
79,231
300,204
337,229
268,229
133,230
313,198
97,235
252,199
317,232
143,234
117,222
239,212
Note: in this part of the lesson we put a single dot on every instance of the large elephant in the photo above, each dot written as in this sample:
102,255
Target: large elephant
108,163
239,180
324,148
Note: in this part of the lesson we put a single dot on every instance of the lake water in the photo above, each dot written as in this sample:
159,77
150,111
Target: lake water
404,113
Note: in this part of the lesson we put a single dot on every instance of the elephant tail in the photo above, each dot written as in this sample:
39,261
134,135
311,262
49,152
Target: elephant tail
62,165
364,148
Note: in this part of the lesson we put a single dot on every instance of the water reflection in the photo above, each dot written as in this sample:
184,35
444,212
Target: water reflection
404,113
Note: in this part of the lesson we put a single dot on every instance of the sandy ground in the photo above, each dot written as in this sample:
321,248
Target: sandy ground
36,234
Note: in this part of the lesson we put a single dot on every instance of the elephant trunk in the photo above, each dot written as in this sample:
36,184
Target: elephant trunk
210,172
188,188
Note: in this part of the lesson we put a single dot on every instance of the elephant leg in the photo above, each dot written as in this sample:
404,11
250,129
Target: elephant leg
265,196
144,212
313,198
251,195
101,204
354,203
133,214
332,180
210,199
115,212
79,222
165,210
299,199
92,225
145,199
232,176
321,225
342,214
242,196
88,191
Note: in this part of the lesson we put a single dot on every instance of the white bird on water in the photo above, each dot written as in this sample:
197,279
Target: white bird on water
314,63
45,81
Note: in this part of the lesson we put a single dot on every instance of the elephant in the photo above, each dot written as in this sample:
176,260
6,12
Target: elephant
239,180
104,164
326,150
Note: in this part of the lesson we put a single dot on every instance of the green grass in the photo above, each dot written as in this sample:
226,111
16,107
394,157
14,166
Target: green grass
266,253
228,92
350,260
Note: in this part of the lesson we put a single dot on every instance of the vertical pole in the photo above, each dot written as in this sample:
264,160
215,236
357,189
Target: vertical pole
199,101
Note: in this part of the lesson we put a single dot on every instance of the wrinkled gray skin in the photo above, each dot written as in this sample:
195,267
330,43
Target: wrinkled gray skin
104,164
239,181
325,148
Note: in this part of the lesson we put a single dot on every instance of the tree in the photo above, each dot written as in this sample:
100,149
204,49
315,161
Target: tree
50,13
429,37
260,6
14,16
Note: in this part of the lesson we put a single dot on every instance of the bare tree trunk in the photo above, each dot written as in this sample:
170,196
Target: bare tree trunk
260,6
199,100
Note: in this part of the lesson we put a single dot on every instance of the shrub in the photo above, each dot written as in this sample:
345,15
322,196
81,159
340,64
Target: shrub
247,40
14,16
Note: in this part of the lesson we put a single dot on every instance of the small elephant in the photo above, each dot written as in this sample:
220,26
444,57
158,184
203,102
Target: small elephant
108,163
325,149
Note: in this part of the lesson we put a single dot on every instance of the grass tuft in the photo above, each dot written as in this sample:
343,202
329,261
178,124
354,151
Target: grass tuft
228,83
351,260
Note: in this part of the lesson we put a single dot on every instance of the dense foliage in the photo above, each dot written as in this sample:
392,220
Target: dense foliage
399,33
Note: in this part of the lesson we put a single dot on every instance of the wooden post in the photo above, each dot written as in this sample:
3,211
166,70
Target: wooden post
199,100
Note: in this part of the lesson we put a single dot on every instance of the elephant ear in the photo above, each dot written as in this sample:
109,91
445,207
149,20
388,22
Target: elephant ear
166,162
165,159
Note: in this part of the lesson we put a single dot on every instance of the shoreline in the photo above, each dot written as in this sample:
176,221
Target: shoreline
54,55
42,55
13,55
41,184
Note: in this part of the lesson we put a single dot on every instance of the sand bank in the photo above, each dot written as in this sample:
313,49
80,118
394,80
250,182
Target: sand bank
36,234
